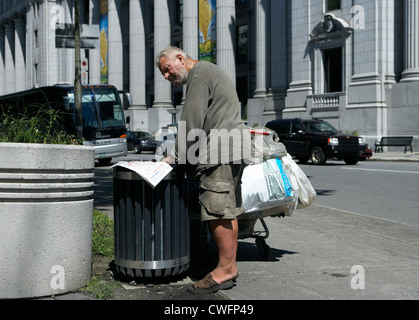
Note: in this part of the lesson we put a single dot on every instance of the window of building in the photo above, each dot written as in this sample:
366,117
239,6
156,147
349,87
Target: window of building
242,44
35,39
333,70
86,12
179,13
35,74
333,5
241,3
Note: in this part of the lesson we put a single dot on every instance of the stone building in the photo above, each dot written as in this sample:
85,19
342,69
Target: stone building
354,63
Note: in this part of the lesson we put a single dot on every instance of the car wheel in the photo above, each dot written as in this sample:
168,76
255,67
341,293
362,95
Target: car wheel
137,149
351,160
317,156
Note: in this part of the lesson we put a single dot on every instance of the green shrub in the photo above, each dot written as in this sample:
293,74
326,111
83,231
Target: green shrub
42,127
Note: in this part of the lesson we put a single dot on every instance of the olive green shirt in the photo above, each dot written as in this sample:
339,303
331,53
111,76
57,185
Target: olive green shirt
211,118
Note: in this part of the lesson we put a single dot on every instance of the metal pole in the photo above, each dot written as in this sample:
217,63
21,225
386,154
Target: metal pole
77,80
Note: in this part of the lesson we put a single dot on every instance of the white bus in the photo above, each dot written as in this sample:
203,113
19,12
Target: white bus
102,112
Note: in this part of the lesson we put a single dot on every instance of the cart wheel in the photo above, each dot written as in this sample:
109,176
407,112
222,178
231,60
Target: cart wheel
264,249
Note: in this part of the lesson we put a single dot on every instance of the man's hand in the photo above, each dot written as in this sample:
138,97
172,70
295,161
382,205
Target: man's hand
169,159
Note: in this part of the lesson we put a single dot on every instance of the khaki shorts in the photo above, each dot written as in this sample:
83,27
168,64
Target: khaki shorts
220,192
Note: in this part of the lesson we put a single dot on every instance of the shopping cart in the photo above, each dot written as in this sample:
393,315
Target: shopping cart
249,228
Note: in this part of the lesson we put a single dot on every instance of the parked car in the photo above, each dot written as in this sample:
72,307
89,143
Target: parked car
166,144
316,140
365,150
139,141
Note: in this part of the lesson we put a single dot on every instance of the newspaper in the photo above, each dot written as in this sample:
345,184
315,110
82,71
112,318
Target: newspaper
152,172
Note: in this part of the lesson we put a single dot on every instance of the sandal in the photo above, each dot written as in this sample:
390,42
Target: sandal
208,285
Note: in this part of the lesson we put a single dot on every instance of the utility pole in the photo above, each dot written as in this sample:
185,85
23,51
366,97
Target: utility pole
77,80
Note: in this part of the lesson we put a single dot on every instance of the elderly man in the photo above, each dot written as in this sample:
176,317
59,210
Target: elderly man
211,106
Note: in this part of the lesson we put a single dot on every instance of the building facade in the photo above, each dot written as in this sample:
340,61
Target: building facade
354,63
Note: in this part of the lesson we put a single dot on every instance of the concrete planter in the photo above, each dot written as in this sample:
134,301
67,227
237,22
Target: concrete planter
46,209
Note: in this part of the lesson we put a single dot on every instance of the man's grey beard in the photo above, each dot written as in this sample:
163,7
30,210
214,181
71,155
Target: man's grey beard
181,79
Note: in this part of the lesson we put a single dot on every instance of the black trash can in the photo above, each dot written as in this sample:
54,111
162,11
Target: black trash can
152,230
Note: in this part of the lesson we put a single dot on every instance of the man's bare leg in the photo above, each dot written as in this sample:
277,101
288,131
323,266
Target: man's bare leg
225,233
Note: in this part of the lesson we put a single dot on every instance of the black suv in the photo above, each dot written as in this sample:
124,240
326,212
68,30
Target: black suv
316,140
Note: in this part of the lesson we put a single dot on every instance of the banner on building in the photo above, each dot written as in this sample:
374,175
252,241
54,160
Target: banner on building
104,42
207,30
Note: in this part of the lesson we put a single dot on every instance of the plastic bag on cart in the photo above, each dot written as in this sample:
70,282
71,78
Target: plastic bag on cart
301,184
265,145
266,185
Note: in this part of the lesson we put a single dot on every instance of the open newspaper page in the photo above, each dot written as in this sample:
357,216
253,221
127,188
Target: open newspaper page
152,172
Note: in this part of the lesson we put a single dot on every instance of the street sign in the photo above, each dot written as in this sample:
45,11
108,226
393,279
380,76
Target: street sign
84,65
84,77
89,36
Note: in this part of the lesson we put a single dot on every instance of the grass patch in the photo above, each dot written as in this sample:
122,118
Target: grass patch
102,245
103,234
100,288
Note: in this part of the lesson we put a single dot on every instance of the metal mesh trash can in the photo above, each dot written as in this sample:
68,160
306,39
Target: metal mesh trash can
152,232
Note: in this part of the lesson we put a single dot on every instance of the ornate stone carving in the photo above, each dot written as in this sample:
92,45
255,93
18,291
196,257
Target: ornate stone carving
331,27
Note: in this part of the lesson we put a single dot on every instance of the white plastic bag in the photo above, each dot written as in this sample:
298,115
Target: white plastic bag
266,185
300,183
265,145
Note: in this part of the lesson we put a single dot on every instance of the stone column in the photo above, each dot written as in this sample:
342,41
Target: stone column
261,7
9,65
2,69
68,54
226,33
20,68
162,87
190,30
138,113
411,40
301,85
94,54
115,45
47,54
137,70
158,116
29,48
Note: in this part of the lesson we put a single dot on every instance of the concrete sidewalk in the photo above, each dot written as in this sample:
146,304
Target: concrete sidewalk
395,156
313,253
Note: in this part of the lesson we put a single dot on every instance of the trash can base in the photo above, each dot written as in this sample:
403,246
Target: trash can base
152,274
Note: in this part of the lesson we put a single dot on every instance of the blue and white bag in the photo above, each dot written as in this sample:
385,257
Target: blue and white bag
267,185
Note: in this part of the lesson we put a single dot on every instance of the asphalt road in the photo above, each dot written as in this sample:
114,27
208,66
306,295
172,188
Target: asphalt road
387,190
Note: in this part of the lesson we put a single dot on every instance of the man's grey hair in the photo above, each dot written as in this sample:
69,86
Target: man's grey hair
170,53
